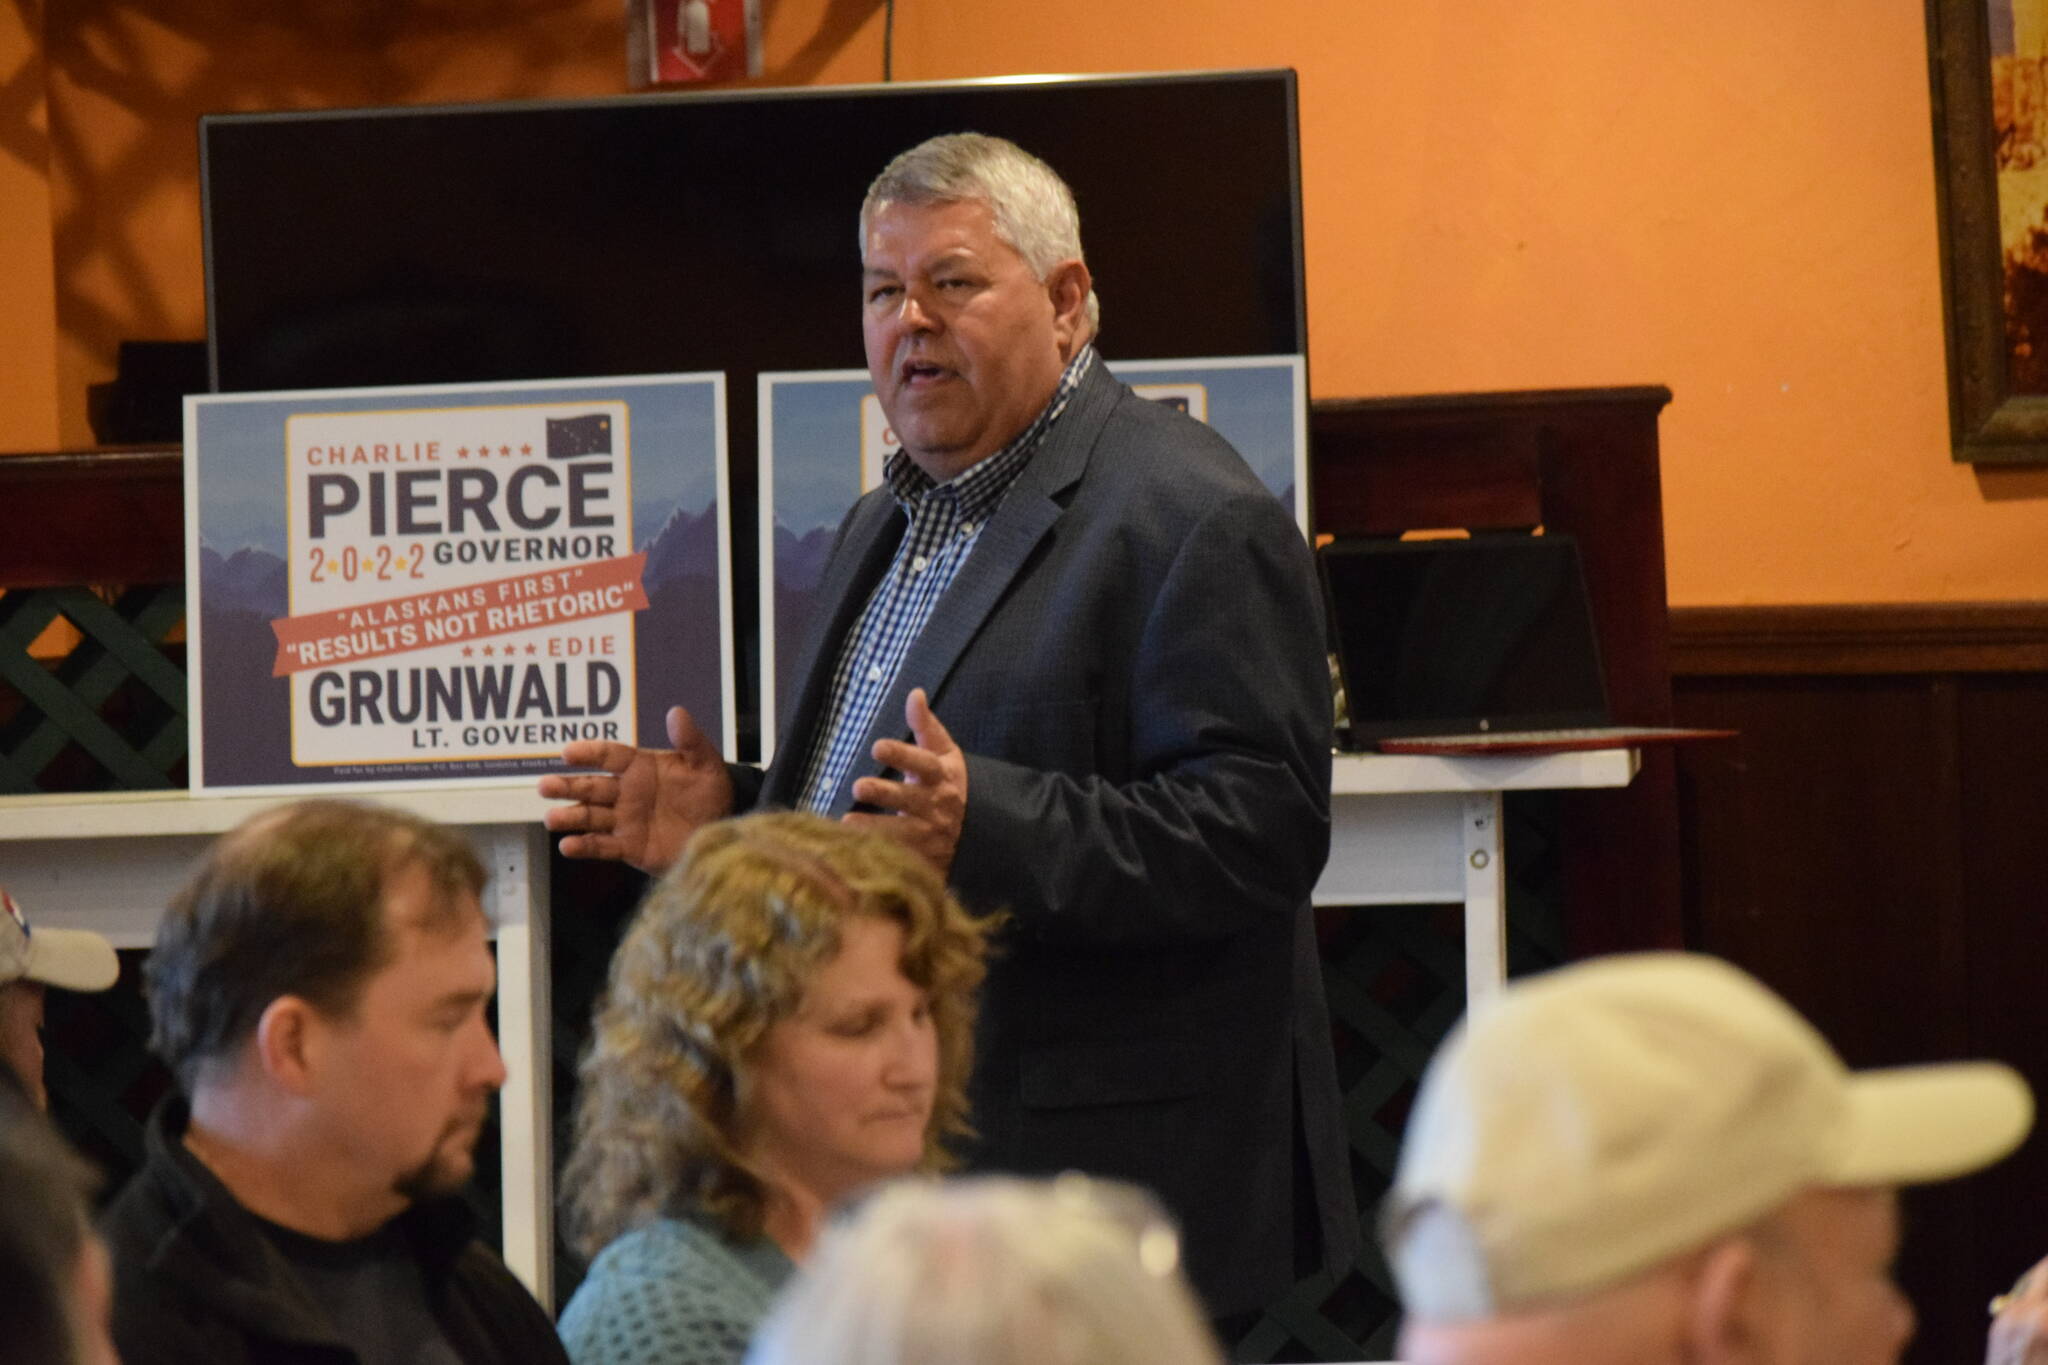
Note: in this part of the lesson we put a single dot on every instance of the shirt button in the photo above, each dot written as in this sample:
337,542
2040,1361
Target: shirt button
966,528
917,563
874,672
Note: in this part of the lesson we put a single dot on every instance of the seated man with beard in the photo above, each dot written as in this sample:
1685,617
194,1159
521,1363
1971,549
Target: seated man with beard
318,989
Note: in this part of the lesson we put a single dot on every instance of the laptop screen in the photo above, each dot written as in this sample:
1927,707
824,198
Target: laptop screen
1463,636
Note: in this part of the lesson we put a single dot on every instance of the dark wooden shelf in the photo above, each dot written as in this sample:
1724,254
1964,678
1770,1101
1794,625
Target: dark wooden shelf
92,516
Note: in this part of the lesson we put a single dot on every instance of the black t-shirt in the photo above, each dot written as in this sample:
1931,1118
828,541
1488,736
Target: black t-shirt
373,1290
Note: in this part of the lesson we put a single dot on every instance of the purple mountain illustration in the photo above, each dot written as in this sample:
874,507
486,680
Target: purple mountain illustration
686,546
250,580
800,559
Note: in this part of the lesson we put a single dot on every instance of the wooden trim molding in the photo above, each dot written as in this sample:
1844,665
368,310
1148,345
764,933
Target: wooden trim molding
1917,637
98,516
1655,396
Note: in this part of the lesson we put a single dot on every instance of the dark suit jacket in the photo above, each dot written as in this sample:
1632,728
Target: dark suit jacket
198,1282
1133,659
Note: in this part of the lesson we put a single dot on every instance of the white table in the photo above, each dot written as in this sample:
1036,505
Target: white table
1406,830
111,862
1413,830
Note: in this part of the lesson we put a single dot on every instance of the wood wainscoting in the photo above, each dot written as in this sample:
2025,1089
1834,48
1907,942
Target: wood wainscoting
1872,845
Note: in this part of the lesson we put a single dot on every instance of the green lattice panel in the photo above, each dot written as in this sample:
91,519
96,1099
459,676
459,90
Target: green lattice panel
1395,979
109,715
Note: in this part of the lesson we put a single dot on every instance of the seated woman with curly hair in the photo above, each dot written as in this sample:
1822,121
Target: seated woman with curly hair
788,1020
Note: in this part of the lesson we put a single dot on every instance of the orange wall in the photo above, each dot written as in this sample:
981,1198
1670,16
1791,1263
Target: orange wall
129,79
28,302
1735,200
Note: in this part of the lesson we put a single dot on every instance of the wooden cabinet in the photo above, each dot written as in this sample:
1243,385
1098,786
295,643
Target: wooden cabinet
1578,461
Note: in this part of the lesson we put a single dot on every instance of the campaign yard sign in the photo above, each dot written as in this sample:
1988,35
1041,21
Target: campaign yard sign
824,441
405,586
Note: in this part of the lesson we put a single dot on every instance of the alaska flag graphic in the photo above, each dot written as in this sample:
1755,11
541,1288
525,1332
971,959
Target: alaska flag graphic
571,438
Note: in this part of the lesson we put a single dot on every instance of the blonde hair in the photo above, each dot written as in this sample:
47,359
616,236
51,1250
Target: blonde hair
722,948
995,1270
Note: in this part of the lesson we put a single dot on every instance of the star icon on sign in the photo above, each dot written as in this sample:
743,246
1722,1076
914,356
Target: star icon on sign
526,450
533,649
462,451
487,651
504,450
468,652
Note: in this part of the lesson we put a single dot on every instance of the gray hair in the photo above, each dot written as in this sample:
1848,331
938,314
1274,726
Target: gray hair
994,1270
1034,210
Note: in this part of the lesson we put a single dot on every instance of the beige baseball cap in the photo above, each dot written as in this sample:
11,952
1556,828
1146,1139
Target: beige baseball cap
1605,1117
75,959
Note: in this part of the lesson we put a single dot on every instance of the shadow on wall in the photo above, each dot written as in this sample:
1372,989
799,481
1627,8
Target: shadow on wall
22,136
836,30
2000,484
128,80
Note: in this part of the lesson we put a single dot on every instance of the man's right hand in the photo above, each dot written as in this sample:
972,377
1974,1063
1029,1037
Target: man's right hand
644,804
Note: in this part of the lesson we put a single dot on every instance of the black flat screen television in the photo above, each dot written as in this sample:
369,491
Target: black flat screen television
714,231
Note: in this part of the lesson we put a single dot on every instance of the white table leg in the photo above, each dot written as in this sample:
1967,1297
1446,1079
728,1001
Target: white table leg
518,900
1486,929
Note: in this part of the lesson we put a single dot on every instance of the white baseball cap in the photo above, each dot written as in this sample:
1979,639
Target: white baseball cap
1605,1117
75,959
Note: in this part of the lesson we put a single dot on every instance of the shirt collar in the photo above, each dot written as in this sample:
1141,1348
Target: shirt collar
980,486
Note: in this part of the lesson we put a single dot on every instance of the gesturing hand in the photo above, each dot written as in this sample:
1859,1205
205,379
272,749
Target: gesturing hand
644,804
926,809
2019,1334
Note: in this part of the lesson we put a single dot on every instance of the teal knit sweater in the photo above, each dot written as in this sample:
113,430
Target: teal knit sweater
675,1291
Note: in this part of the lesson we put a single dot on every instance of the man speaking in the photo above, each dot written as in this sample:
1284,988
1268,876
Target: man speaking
1120,628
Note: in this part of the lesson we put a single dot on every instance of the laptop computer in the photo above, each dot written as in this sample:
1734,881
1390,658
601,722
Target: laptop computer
1479,646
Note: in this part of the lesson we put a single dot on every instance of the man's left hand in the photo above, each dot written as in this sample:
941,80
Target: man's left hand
925,809
2019,1332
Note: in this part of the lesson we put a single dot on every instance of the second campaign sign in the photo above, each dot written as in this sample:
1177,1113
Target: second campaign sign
414,585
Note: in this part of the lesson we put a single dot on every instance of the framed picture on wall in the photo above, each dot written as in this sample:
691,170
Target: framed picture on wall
1988,63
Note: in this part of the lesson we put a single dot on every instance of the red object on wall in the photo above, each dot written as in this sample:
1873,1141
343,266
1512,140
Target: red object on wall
688,41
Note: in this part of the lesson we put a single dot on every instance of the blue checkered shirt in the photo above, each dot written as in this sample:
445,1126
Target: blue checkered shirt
945,521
